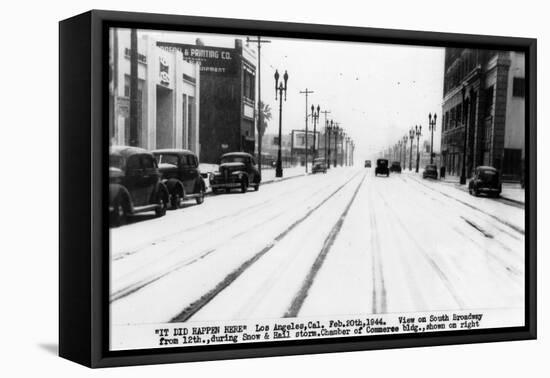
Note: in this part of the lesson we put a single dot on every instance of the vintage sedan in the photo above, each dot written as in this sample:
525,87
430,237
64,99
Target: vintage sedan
319,165
135,184
395,166
430,171
382,167
237,170
486,180
368,163
180,174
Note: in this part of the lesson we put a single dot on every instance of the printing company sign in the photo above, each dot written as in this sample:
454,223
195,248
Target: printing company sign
212,59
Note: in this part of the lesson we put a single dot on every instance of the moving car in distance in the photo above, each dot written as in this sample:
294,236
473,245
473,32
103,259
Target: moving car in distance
134,184
319,165
395,166
382,167
367,164
486,180
181,175
236,170
430,171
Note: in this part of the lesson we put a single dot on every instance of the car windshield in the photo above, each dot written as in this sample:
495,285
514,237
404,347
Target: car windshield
233,159
396,163
488,175
382,162
167,159
431,168
116,161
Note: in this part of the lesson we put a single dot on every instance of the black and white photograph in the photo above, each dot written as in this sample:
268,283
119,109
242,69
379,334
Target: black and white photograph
271,189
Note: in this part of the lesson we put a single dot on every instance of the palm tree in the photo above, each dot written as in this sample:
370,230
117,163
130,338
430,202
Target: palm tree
264,117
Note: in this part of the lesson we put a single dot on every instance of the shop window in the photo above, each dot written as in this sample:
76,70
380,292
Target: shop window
249,89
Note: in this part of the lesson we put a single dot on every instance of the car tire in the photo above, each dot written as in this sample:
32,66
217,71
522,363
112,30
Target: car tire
244,185
175,201
162,202
200,198
227,190
257,187
119,215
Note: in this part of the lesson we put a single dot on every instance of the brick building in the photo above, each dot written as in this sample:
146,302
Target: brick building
484,95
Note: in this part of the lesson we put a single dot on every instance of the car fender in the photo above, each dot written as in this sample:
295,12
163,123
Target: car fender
174,186
160,189
119,191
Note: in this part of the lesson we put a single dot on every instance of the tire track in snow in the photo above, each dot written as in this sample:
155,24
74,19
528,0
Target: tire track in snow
505,222
161,239
195,306
142,283
302,293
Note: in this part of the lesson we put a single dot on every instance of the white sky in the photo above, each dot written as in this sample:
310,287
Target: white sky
377,92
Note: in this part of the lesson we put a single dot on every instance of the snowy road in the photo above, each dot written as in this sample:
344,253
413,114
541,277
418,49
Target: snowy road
341,243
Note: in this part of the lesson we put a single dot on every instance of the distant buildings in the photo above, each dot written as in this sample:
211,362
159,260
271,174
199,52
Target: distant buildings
485,91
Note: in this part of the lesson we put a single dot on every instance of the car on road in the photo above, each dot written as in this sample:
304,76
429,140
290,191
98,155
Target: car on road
395,166
135,184
486,180
237,170
368,163
181,175
430,171
319,165
382,167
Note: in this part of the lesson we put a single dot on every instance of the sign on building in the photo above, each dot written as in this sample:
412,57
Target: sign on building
299,140
212,59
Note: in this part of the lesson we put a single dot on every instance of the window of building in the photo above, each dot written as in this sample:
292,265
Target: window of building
489,99
518,87
248,84
127,133
459,115
191,122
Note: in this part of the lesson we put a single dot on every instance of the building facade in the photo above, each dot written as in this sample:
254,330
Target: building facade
484,103
227,96
168,95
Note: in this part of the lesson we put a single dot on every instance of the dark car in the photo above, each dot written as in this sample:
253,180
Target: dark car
236,170
319,165
486,180
181,175
367,164
430,171
382,167
395,166
135,184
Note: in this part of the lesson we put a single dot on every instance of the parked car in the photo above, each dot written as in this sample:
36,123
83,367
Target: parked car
236,170
135,184
319,165
382,167
430,171
181,175
486,180
395,166
367,164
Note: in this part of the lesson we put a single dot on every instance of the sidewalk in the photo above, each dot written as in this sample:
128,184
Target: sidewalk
510,191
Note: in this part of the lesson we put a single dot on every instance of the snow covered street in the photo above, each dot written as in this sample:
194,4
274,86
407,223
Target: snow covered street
340,243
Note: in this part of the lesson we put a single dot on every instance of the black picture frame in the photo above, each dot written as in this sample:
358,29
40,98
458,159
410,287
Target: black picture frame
83,152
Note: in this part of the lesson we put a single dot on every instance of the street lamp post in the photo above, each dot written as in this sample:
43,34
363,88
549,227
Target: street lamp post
279,87
404,140
336,132
411,137
315,120
431,122
418,133
329,131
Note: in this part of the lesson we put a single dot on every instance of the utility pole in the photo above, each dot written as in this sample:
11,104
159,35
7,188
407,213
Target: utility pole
325,112
306,92
259,40
134,100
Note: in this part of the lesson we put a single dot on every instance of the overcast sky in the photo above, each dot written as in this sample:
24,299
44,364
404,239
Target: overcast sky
377,92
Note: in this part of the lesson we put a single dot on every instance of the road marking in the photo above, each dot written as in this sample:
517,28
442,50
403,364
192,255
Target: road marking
302,293
195,306
477,227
